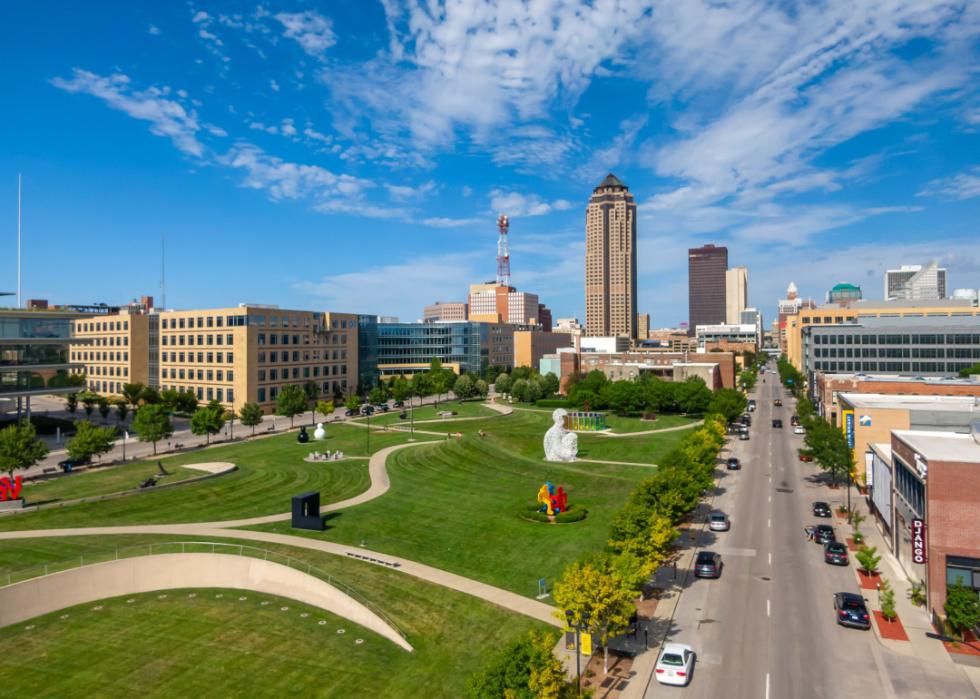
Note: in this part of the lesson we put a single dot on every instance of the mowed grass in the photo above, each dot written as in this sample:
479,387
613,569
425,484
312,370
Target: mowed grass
431,412
101,481
456,505
183,646
632,424
270,471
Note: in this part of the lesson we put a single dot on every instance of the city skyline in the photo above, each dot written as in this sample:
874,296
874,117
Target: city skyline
247,137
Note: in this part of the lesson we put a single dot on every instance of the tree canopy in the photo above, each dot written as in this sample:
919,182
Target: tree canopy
291,401
90,440
152,423
19,447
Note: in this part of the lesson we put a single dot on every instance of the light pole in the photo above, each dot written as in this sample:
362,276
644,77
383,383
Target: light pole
125,434
411,407
231,423
369,433
578,628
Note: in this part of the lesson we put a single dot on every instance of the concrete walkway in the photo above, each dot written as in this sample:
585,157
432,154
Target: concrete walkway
676,428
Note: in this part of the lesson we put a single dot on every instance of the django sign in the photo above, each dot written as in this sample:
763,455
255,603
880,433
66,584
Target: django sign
918,541
8,490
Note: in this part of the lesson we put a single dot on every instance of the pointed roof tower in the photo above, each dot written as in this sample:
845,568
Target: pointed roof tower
612,181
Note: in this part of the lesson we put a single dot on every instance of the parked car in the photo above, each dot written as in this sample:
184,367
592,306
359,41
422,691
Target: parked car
367,410
743,436
349,412
799,430
398,404
835,553
805,458
821,509
383,408
777,423
719,522
751,404
68,464
778,403
733,464
675,664
794,420
851,610
824,534
707,565
747,419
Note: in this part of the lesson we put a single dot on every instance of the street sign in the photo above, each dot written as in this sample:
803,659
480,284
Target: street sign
586,644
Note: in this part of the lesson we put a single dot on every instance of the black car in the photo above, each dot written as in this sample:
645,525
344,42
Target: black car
794,420
778,403
851,610
747,420
835,553
68,464
733,464
824,534
383,407
821,509
398,404
777,423
707,565
349,412
367,410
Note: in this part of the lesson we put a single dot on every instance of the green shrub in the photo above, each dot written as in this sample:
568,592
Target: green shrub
573,514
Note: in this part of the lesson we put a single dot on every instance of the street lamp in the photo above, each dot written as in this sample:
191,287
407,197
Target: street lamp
231,424
578,628
369,433
411,408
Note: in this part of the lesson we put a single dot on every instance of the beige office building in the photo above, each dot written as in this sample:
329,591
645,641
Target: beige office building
441,311
643,328
231,355
610,261
736,294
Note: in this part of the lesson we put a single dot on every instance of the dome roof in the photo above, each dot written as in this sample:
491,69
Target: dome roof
612,181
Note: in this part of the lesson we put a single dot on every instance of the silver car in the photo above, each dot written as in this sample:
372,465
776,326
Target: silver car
719,522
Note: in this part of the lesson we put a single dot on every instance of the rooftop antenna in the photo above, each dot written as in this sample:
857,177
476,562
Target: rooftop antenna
163,278
18,239
503,255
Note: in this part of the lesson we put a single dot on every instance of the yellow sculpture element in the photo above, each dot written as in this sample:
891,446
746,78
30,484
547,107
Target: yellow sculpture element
544,497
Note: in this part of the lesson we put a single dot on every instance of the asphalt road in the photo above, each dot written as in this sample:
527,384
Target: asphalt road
766,628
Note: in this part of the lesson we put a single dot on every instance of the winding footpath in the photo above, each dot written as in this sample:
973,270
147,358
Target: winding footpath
380,484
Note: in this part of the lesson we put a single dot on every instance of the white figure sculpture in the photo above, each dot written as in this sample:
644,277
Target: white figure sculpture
559,443
319,433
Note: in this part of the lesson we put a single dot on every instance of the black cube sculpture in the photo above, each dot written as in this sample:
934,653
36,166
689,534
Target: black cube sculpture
306,512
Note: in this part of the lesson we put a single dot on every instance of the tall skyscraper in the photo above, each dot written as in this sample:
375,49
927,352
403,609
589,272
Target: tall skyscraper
610,261
915,282
643,326
736,294
707,269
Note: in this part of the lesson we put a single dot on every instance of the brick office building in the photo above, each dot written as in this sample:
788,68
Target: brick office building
827,387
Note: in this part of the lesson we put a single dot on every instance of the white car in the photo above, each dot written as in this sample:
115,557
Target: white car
675,664
799,430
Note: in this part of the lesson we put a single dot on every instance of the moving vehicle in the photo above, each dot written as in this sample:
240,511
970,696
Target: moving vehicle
383,408
806,458
675,664
778,403
851,610
349,412
743,436
835,553
707,565
824,534
777,424
733,464
751,405
799,430
719,522
794,420
747,420
821,509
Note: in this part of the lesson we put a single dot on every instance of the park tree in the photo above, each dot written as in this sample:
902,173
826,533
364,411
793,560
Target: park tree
150,395
728,403
642,532
440,379
71,402
251,415
598,590
377,396
693,396
122,410
89,401
518,390
869,559
104,408
828,447
962,608
480,388
622,397
90,440
290,402
187,401
503,384
525,669
170,398
353,403
312,390
532,391
324,407
152,423
208,421
133,392
401,388
550,384
20,448
463,387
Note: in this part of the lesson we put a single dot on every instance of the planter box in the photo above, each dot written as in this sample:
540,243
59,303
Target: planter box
868,582
891,630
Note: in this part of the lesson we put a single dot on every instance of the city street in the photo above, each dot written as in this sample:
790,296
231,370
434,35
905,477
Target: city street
766,627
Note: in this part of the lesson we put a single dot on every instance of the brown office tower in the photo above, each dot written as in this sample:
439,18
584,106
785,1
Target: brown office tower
706,267
610,261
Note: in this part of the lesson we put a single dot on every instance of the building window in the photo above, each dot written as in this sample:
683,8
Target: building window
261,395
231,395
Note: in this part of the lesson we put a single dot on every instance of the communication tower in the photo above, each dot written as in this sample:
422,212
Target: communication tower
503,255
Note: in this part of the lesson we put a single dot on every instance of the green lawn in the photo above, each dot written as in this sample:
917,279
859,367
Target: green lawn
455,505
270,471
430,412
183,646
635,424
100,481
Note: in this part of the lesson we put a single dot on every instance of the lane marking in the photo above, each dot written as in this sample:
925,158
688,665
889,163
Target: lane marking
769,523
770,498
767,608
767,685
770,558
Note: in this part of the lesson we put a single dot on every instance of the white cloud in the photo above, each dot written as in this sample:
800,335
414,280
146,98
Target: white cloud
443,222
286,180
964,185
287,128
515,204
311,30
201,17
153,29
274,86
405,193
167,116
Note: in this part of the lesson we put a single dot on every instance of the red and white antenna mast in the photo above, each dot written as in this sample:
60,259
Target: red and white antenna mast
503,255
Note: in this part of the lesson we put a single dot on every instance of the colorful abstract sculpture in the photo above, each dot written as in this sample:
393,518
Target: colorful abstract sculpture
553,501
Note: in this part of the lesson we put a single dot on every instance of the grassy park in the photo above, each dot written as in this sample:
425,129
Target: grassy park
465,409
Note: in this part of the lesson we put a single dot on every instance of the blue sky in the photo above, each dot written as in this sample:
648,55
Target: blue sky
354,155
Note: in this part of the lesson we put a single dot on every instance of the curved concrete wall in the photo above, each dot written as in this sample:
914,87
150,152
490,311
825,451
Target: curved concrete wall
49,593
